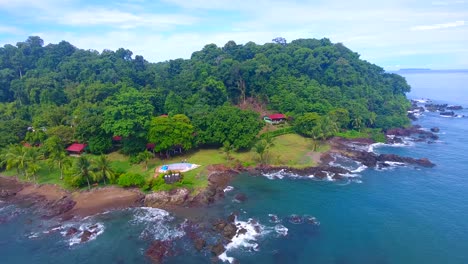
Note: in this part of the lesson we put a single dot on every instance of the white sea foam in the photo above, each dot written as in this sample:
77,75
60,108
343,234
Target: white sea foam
156,222
281,230
247,240
96,230
228,189
281,174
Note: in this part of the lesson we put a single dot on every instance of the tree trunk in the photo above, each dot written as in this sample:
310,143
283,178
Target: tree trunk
104,178
89,185
61,174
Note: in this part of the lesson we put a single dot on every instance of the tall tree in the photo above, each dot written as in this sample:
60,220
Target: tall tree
103,170
128,113
83,169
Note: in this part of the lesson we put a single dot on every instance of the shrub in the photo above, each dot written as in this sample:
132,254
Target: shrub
278,132
131,180
74,181
100,145
351,134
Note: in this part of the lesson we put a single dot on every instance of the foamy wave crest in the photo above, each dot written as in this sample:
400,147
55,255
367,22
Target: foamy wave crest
245,240
390,165
407,142
355,167
281,230
228,189
94,229
156,222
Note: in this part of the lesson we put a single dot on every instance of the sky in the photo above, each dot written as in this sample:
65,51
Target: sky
393,34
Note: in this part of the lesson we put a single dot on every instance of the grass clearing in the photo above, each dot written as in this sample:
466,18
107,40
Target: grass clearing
289,150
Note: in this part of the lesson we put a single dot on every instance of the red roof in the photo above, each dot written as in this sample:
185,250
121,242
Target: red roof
116,138
150,146
277,116
76,147
164,115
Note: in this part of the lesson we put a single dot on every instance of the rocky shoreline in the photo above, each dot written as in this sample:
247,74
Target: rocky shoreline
54,202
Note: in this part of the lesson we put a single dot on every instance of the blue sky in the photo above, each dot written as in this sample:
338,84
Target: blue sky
393,34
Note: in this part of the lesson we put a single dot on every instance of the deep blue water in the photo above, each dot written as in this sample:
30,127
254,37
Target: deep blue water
399,215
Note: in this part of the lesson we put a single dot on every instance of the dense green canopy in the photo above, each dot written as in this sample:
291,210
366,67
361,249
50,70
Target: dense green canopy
100,94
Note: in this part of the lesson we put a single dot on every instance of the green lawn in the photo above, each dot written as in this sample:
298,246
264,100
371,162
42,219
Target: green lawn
290,150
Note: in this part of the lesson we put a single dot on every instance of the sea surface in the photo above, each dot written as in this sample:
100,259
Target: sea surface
403,214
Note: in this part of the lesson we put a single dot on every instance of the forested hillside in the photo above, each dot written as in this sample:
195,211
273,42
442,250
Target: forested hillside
90,96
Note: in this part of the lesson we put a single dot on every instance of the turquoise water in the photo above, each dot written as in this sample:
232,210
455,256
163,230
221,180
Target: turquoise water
399,215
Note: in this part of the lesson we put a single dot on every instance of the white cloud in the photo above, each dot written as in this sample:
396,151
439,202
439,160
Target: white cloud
10,30
439,26
112,17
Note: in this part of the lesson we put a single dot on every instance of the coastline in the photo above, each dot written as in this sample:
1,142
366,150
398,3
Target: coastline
53,201
58,202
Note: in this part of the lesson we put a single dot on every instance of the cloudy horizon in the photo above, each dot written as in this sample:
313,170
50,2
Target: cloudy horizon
393,34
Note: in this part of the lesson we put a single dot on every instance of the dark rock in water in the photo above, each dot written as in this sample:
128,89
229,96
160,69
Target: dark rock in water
447,113
454,107
394,140
240,197
71,231
395,158
218,249
436,107
229,231
231,218
242,231
435,129
199,243
219,225
85,236
296,219
158,250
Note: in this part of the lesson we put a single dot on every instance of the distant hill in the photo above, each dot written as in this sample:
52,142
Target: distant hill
422,70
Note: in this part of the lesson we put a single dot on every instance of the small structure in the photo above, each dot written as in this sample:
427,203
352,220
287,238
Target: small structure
275,119
117,139
172,178
150,147
76,149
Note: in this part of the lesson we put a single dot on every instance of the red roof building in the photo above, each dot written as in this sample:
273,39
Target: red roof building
76,148
150,146
277,117
116,138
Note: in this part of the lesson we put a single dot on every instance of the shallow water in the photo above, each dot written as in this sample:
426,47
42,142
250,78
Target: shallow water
403,214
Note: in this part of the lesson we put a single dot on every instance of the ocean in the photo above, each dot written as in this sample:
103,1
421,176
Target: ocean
401,214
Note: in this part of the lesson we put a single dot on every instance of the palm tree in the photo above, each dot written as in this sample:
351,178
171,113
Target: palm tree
103,170
14,157
82,167
32,170
145,156
60,159
33,155
357,123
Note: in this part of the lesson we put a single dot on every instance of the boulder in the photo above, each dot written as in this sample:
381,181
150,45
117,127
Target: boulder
164,198
454,107
447,113
229,231
435,129
218,249
85,236
240,197
199,243
71,231
158,250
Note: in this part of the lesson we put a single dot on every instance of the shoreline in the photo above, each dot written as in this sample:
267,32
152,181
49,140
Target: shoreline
52,201
65,204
